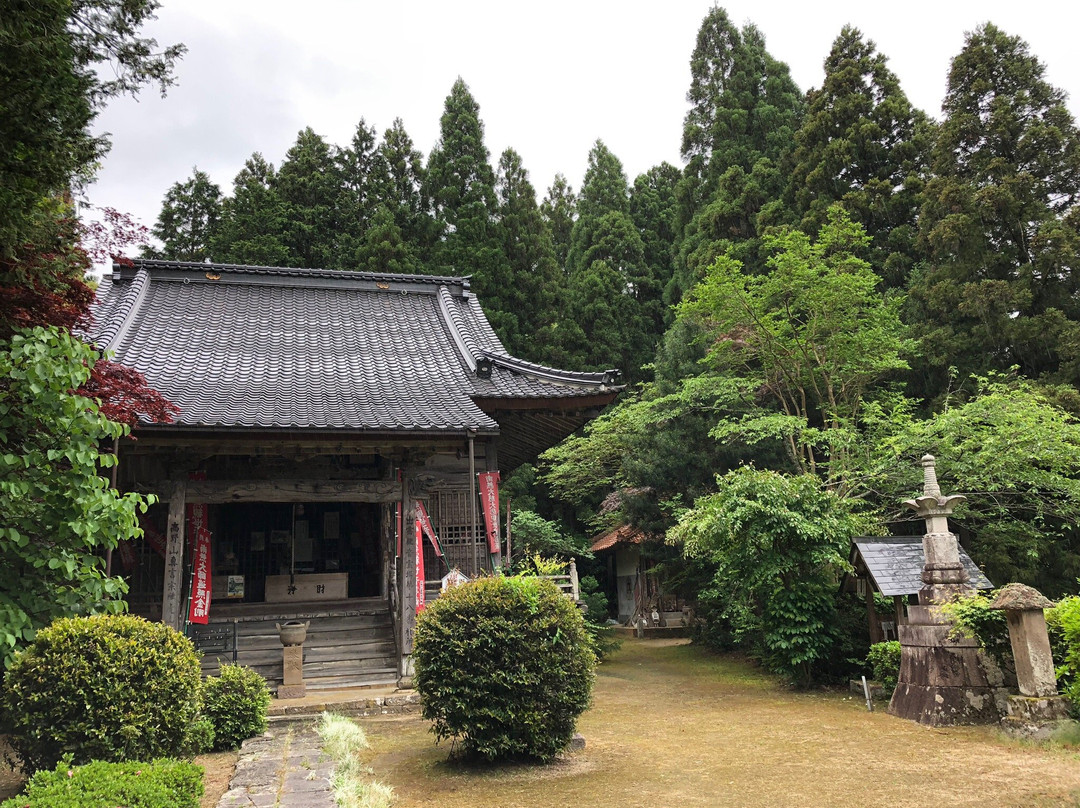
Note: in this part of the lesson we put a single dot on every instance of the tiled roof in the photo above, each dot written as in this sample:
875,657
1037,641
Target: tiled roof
268,347
895,564
623,534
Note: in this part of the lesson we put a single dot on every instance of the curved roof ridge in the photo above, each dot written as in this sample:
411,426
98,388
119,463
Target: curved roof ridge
512,363
110,329
300,272
459,331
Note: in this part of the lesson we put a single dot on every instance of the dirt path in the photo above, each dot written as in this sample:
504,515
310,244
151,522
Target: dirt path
671,726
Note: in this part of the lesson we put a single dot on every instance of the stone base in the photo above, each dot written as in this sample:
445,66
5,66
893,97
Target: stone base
1037,718
942,679
291,691
405,683
577,743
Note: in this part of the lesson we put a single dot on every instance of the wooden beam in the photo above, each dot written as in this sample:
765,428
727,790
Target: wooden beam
173,597
223,491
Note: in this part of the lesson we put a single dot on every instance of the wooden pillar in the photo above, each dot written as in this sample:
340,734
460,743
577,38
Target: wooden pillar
173,598
876,634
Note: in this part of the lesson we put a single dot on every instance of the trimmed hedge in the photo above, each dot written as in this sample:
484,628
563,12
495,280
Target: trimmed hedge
160,784
235,703
504,666
109,687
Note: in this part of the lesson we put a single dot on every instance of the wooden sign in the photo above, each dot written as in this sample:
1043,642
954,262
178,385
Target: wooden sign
316,586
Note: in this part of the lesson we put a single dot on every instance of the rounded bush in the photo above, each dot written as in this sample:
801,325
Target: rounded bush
884,662
236,704
504,666
109,687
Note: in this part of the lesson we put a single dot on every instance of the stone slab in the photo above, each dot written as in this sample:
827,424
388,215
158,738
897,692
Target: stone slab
291,691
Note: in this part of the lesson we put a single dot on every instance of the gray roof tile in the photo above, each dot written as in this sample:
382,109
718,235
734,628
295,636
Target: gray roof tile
895,563
270,347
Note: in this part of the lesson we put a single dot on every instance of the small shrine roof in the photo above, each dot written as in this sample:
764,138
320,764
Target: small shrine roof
895,564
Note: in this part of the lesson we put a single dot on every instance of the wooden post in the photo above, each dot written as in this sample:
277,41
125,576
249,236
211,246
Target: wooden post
173,597
876,634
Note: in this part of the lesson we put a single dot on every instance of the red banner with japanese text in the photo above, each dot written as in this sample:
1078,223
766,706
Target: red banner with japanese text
429,531
419,567
489,499
200,579
152,537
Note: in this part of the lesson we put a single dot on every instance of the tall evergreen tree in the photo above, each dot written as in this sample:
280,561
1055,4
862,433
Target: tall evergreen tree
862,144
356,202
744,111
309,186
1001,220
559,210
382,247
188,220
535,289
398,180
607,264
253,219
653,208
461,184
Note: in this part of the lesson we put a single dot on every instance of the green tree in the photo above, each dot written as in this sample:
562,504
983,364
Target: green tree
1000,222
534,285
188,221
398,179
863,145
60,64
356,202
309,183
253,219
745,109
59,513
559,210
462,187
779,544
803,350
653,210
382,248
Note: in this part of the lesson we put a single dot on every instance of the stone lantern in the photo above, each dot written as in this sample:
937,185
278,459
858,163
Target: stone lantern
942,679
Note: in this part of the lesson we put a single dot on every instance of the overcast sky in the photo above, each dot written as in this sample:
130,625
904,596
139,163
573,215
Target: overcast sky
550,77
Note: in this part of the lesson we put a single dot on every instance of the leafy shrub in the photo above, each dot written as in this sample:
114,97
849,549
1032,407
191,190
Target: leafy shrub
236,704
160,784
505,666
884,663
596,613
972,617
201,737
109,687
1063,622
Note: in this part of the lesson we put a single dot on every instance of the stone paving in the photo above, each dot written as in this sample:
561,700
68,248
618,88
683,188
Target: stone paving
284,768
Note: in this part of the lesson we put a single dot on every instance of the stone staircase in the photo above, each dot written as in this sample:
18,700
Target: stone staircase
349,644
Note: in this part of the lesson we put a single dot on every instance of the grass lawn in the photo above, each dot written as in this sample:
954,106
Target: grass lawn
673,726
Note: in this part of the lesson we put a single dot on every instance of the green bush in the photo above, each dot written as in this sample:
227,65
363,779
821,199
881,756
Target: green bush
1063,622
236,704
160,784
884,663
109,687
504,666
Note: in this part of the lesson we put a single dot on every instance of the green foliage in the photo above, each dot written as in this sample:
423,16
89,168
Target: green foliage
972,617
884,663
108,687
535,535
59,513
156,784
812,341
235,704
1000,220
188,221
308,184
862,144
505,666
779,544
60,62
1063,623
253,219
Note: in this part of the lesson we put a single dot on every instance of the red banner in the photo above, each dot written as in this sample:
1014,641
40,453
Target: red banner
127,555
419,567
200,578
489,499
429,531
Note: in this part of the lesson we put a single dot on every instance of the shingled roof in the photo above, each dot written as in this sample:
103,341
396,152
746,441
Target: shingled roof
274,348
895,564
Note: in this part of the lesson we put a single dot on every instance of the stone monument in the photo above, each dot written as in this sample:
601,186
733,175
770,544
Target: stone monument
942,679
1038,711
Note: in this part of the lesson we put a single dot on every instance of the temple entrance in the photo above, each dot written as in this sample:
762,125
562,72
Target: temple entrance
277,552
